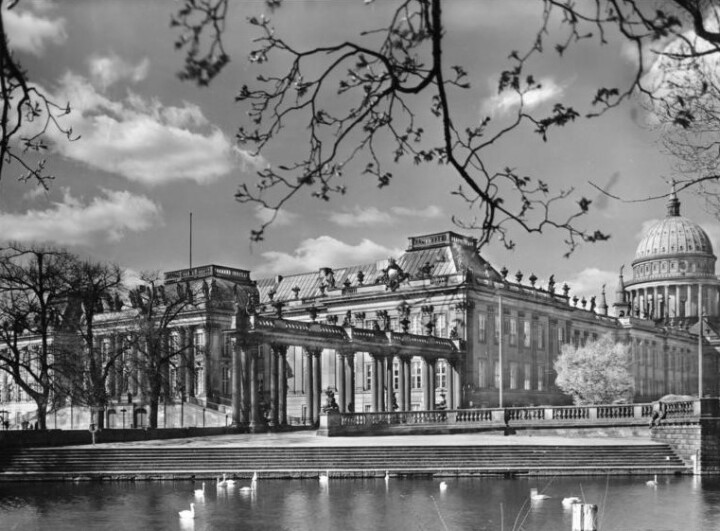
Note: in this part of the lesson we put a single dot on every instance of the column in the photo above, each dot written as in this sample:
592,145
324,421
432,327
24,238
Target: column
452,399
389,383
253,358
244,379
309,384
374,383
190,350
431,391
317,380
408,382
350,381
426,384
238,418
282,380
274,388
402,395
180,354
340,380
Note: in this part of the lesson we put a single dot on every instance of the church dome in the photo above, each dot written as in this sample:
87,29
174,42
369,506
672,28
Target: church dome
673,246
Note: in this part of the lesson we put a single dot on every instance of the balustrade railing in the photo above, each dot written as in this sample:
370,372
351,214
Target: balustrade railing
604,414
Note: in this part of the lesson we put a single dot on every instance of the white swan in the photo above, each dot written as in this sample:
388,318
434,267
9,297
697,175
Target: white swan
253,484
228,482
188,514
536,497
653,482
255,477
443,486
570,501
221,483
200,493
324,478
387,476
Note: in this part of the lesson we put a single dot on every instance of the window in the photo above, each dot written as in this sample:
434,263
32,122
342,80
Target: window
482,327
482,373
513,331
561,337
368,371
395,324
396,375
440,325
540,336
527,335
514,374
416,324
225,384
528,375
541,377
199,342
497,329
497,374
441,374
199,380
416,375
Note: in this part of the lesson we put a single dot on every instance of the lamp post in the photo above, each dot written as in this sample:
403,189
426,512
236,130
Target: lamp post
203,417
123,410
500,351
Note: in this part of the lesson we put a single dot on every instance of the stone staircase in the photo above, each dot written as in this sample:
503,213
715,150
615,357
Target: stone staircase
134,463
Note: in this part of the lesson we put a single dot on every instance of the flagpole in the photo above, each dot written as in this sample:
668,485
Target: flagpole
190,240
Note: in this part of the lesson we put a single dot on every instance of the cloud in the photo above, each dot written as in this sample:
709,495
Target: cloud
430,212
30,33
324,251
508,100
363,217
142,140
645,227
283,217
106,71
35,192
589,282
72,222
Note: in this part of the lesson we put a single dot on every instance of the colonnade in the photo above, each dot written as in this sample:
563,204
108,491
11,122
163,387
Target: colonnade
674,300
246,399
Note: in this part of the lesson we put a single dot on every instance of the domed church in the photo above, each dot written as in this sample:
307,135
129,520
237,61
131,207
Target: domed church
673,273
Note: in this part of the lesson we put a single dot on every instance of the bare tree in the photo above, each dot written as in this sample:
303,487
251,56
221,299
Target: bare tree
390,82
27,113
157,311
34,286
85,369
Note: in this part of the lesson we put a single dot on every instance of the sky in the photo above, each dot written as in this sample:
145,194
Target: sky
153,148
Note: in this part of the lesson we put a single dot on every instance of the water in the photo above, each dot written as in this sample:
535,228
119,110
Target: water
626,504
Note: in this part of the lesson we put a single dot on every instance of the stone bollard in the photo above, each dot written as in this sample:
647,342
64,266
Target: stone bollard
584,517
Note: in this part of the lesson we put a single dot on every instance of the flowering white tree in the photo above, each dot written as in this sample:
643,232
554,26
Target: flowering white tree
597,373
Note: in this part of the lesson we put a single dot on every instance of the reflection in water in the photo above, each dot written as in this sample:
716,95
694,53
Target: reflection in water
678,503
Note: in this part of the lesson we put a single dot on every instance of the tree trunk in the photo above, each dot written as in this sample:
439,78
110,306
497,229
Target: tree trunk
42,413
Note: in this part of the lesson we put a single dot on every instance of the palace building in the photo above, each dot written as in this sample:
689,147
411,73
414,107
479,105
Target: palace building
437,326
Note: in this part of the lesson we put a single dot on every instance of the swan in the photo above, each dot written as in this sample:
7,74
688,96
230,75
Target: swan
188,514
253,484
200,493
387,476
443,486
653,482
535,496
254,477
221,483
323,478
228,482
572,500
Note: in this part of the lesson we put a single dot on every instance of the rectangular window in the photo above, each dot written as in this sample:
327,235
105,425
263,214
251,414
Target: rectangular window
441,373
496,371
513,332
514,375
528,376
396,375
368,375
199,342
540,341
497,329
416,324
561,337
527,335
482,327
225,383
440,325
395,324
541,377
416,375
482,374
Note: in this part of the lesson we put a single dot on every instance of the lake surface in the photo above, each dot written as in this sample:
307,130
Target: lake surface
627,504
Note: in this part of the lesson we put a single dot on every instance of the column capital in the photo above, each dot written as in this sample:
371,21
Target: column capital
278,348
